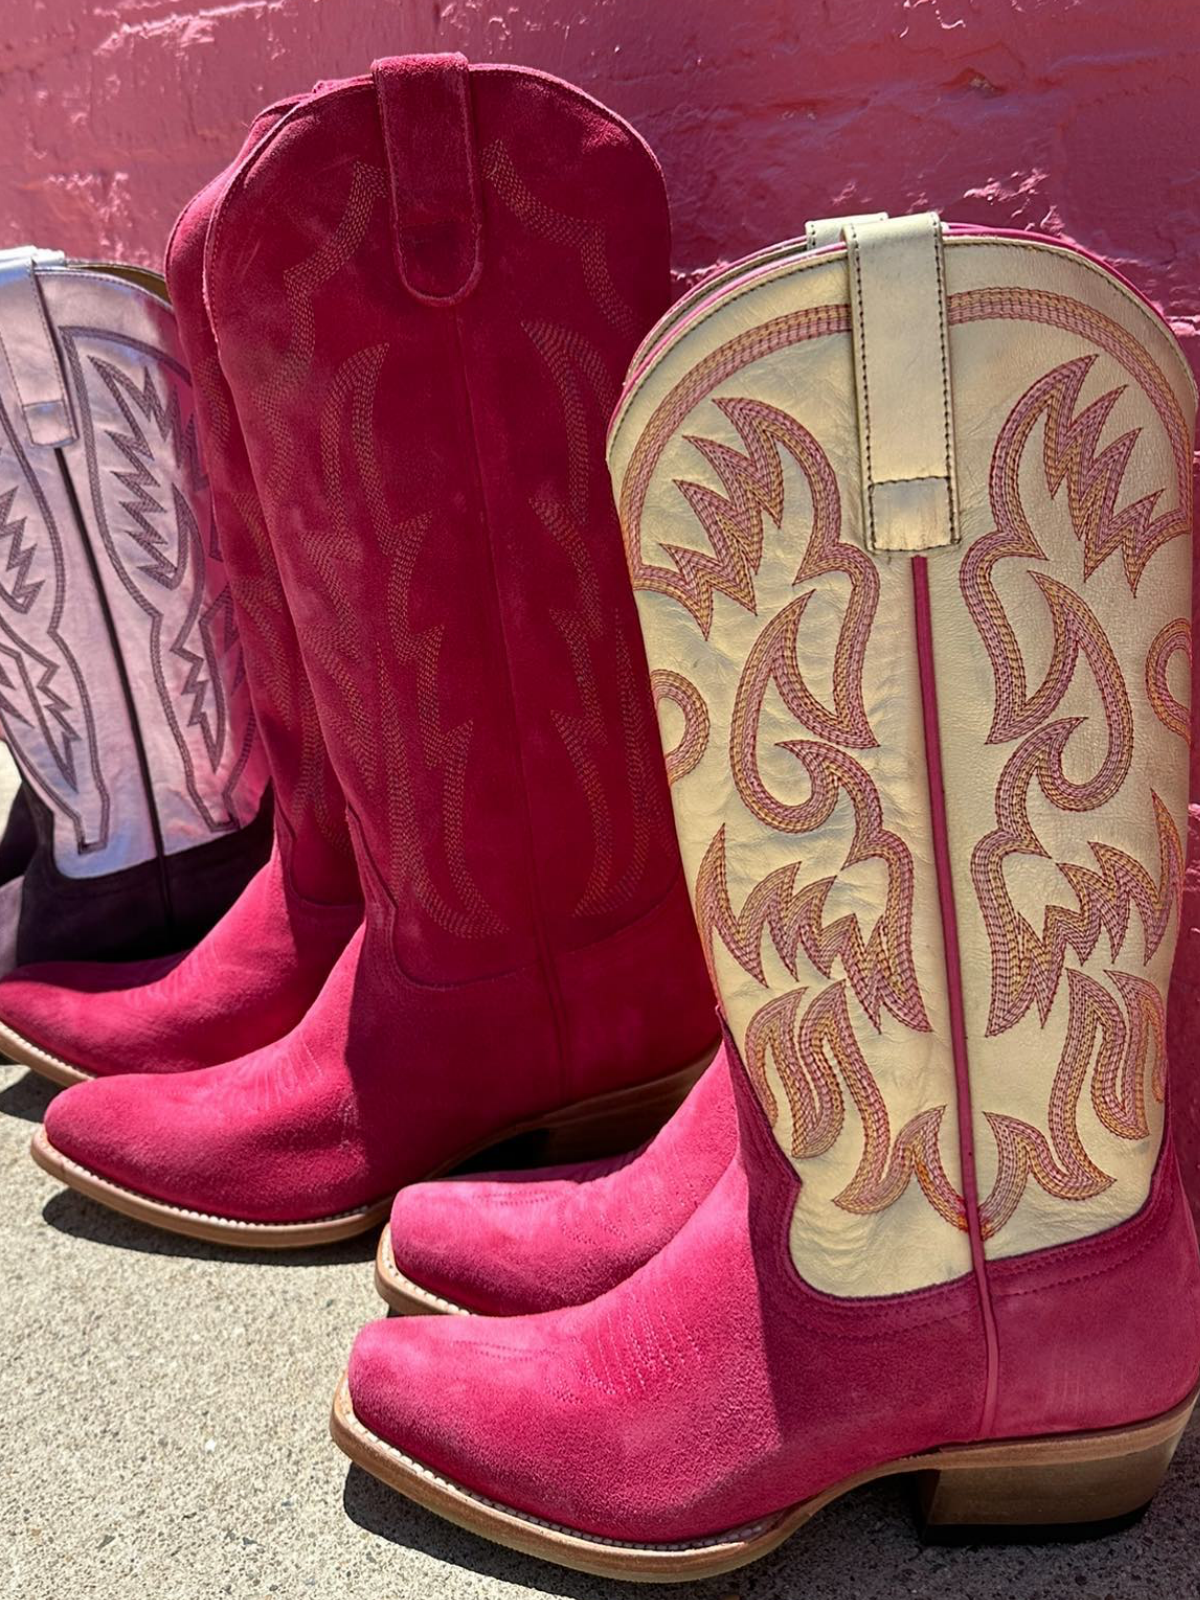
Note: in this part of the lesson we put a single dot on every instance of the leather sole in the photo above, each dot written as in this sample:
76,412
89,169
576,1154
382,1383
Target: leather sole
1076,1481
577,1132
24,1053
202,1224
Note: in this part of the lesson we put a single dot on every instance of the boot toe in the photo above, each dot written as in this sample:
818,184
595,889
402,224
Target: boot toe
267,1139
453,1395
62,1007
108,1126
492,1246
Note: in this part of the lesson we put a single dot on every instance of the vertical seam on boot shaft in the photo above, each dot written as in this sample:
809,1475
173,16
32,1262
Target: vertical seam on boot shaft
143,761
923,627
545,955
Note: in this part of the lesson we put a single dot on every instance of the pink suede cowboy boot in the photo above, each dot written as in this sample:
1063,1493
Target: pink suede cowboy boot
425,285
909,521
503,1243
254,976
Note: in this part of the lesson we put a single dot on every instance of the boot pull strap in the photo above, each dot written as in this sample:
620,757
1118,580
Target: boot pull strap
433,174
28,349
902,377
822,231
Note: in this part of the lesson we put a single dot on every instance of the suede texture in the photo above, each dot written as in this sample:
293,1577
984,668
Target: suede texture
1094,1334
253,976
513,1242
431,471
221,998
713,1387
312,835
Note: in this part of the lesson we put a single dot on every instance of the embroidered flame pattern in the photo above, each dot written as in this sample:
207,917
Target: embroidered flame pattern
810,1036
1116,1035
805,1041
813,1049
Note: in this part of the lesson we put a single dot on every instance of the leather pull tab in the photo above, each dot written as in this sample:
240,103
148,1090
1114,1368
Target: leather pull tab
822,231
902,377
29,351
433,174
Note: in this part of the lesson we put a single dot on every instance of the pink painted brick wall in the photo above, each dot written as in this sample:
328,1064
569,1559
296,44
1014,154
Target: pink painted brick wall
1078,117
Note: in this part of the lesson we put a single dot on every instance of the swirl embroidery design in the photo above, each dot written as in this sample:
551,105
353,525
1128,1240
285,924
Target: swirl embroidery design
46,710
1115,1027
809,1033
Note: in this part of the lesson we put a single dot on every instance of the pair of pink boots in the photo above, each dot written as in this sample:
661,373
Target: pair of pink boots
907,514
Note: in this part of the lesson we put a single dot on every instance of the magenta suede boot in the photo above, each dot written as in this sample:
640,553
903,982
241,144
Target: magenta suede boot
425,285
909,522
257,972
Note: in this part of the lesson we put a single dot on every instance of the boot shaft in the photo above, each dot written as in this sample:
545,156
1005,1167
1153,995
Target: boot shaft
925,501
425,287
310,809
123,697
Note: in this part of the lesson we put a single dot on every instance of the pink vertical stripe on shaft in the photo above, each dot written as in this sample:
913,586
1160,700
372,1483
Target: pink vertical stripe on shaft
954,983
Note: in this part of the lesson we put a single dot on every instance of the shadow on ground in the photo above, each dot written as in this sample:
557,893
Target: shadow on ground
27,1098
74,1214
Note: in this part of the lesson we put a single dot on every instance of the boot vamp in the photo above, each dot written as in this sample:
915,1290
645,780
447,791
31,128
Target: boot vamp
373,1089
707,1391
245,984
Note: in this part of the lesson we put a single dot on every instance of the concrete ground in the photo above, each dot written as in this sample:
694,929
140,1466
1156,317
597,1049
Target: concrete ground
164,1404
163,1410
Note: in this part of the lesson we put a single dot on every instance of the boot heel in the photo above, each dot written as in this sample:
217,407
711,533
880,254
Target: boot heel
606,1125
1076,1487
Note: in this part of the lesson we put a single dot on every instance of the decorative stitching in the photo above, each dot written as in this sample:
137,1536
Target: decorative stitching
940,266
